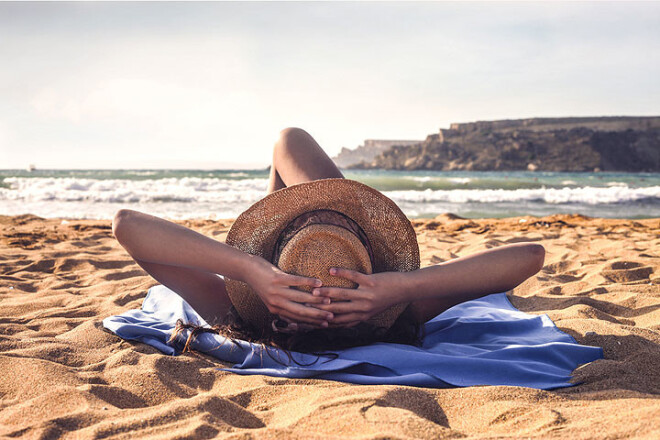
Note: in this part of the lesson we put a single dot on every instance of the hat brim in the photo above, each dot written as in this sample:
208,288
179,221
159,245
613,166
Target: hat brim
390,233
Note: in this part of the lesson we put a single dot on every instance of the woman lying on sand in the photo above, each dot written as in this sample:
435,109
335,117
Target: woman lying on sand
317,264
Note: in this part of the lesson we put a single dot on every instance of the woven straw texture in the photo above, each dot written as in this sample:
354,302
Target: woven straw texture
255,231
317,248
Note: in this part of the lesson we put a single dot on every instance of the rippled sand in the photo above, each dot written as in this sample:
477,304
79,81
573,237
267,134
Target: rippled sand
64,376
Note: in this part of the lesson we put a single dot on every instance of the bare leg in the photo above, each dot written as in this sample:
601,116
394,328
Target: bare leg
298,158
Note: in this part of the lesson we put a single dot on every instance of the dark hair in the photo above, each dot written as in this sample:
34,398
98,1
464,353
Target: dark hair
405,330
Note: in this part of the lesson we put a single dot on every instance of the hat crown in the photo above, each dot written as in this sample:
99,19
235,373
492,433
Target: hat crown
316,248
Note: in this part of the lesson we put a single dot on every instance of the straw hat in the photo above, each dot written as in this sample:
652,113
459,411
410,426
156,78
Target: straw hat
308,228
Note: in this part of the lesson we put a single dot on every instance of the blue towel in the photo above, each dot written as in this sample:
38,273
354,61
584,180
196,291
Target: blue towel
485,341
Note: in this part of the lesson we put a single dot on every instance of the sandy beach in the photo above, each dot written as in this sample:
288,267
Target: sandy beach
66,377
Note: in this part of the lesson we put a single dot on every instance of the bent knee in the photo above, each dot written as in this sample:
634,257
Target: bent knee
292,140
292,133
120,222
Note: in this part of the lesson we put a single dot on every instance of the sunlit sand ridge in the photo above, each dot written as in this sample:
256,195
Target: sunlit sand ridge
64,376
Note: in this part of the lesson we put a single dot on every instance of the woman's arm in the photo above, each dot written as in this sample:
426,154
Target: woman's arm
433,289
150,239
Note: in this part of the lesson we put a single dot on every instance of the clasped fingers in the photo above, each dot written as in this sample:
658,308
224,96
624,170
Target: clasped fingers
298,306
348,302
285,279
352,275
342,294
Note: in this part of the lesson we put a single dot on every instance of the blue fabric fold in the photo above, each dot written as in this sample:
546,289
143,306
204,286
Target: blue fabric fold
485,341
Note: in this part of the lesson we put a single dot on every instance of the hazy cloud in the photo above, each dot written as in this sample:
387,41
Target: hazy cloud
202,84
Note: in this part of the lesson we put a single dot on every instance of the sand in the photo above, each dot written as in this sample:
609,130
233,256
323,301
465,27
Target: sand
65,377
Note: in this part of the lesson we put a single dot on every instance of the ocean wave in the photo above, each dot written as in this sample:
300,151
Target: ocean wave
142,173
227,196
215,190
422,179
460,180
581,195
186,189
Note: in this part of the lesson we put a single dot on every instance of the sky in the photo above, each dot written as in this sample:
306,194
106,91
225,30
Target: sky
210,85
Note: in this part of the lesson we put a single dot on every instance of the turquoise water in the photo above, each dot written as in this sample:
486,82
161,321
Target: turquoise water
226,193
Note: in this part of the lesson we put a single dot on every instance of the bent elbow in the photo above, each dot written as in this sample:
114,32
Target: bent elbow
536,256
120,222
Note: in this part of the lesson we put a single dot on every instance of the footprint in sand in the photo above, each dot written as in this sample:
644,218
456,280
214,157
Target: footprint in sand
626,272
527,420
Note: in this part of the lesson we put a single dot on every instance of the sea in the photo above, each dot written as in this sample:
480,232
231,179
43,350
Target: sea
224,194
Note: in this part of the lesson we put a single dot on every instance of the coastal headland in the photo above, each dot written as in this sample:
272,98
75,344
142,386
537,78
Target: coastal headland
630,144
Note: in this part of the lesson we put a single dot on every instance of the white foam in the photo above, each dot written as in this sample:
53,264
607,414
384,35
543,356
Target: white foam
92,198
461,180
200,197
187,189
582,195
423,179
426,179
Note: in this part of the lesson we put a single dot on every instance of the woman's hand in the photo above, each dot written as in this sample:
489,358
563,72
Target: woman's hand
274,287
375,293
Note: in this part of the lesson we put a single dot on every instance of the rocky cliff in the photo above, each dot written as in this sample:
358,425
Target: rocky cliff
367,152
545,144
